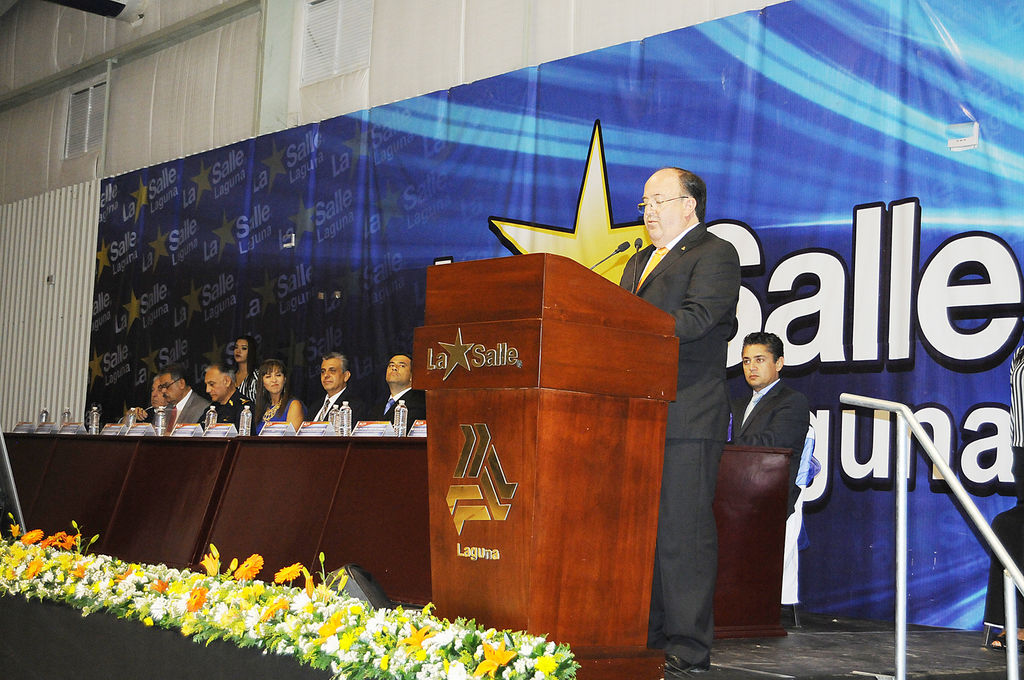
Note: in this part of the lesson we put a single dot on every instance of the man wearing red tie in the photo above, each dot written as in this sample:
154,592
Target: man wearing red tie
184,405
694,276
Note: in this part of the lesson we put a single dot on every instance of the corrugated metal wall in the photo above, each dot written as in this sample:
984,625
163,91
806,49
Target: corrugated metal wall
44,325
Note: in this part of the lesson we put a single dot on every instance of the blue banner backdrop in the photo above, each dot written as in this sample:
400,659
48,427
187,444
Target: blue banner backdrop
884,258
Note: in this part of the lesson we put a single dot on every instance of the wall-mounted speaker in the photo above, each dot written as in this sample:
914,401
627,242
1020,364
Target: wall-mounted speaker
131,11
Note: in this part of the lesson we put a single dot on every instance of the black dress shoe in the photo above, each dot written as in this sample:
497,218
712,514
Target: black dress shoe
678,668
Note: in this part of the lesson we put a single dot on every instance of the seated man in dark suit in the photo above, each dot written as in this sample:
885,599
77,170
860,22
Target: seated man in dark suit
220,385
188,406
334,376
399,380
772,414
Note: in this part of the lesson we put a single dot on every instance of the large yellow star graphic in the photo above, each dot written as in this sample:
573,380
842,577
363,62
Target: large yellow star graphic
303,220
592,237
141,196
102,257
225,234
192,300
274,164
150,361
202,181
159,247
266,292
216,352
95,368
133,308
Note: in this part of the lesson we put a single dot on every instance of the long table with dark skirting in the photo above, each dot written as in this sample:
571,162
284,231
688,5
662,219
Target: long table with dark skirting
362,500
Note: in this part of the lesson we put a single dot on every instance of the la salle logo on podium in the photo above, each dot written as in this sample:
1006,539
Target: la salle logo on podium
487,495
471,355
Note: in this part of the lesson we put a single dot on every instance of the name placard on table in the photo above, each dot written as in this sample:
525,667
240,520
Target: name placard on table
282,429
112,429
71,428
221,430
373,428
141,430
187,430
316,428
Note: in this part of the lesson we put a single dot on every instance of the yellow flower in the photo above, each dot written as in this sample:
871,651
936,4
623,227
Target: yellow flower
148,620
211,564
347,640
417,637
330,627
15,531
546,665
494,658
288,574
250,568
384,662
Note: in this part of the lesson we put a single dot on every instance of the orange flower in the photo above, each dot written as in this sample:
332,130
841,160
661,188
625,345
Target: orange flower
34,567
250,568
58,539
278,605
197,598
331,626
32,537
309,583
79,570
123,576
67,542
159,585
15,531
288,573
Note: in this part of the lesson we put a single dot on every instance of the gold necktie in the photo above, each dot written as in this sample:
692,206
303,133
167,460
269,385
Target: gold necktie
651,264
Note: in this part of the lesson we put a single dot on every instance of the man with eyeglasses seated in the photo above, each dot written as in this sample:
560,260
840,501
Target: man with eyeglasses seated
187,406
694,276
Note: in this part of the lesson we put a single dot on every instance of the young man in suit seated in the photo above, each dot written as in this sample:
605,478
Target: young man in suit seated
771,414
399,380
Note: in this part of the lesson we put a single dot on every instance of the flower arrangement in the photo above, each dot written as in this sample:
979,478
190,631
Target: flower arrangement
315,623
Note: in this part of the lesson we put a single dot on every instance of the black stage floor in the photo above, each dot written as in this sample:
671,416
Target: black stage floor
832,648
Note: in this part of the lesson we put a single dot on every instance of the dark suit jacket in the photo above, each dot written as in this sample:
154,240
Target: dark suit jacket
698,284
416,402
780,419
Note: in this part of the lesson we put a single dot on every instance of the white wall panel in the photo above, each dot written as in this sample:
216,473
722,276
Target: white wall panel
44,345
495,37
236,76
28,147
415,48
128,117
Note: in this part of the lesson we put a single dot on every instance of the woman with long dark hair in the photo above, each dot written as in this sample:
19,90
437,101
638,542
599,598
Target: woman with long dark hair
246,355
274,402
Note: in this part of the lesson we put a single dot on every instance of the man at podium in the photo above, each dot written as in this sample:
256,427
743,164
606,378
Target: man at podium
693,275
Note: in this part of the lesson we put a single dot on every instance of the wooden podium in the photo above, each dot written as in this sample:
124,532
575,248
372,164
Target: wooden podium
547,389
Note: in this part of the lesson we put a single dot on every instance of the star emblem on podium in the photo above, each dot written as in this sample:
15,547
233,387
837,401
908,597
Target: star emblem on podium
458,354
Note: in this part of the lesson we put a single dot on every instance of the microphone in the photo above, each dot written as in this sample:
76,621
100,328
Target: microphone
622,246
638,243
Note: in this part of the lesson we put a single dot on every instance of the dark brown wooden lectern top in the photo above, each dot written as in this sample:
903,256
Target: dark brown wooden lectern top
483,329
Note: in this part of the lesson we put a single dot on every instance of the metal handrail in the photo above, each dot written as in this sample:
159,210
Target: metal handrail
906,423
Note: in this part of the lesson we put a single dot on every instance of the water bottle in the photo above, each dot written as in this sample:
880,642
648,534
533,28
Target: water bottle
160,420
334,418
346,419
44,415
92,421
245,422
211,418
401,418
65,416
129,420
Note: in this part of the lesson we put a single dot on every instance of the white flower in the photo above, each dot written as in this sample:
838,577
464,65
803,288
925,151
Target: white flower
456,671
